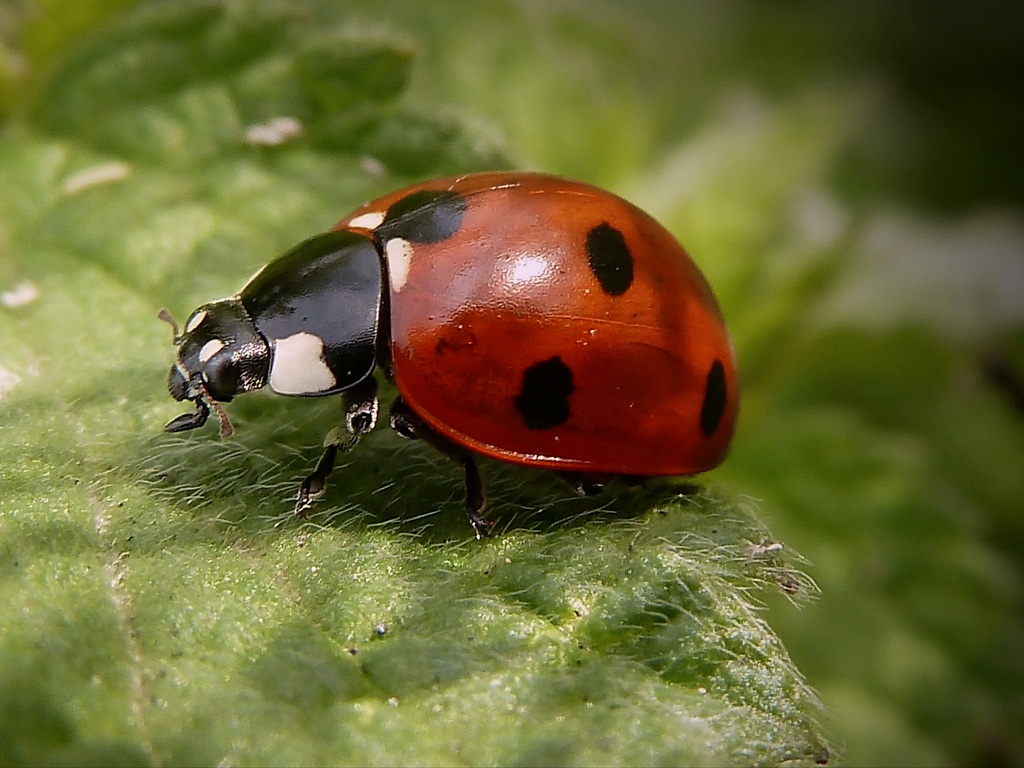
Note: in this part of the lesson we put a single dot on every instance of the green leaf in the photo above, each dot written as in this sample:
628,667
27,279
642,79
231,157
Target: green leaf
164,606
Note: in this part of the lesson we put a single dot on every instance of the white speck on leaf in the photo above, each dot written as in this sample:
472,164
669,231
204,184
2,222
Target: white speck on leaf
274,132
371,166
107,173
22,294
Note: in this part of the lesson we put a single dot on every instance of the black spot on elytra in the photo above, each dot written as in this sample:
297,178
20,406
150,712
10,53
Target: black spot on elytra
610,259
426,216
714,399
543,401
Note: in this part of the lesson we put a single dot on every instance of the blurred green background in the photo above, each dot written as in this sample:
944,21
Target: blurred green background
847,175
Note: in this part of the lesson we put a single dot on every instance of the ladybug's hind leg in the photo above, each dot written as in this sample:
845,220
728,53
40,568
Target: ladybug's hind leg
584,484
407,424
361,407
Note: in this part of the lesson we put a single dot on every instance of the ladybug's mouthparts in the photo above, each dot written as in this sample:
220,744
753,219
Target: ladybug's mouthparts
189,421
204,403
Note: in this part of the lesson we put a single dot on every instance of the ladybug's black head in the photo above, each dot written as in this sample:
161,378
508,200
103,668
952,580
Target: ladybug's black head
220,355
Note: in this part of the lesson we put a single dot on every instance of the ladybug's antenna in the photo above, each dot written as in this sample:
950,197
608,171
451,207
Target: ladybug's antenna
169,319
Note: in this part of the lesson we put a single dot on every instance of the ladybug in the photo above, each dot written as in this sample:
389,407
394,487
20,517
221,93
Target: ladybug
521,316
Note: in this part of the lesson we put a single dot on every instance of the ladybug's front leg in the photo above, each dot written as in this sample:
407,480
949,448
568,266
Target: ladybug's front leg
407,424
361,408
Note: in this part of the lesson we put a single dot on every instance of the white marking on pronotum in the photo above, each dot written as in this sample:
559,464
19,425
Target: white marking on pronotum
399,255
20,295
195,321
370,220
95,176
298,366
274,132
210,348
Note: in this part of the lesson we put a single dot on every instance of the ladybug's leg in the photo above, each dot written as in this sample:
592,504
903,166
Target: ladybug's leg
360,417
584,485
407,424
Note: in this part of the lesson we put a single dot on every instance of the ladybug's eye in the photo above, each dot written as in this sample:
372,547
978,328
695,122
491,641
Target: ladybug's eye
220,374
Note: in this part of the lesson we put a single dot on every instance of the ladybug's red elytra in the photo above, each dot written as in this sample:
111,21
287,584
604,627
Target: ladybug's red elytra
524,317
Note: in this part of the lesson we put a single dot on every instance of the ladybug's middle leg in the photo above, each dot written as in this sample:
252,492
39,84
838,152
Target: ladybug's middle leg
361,408
407,424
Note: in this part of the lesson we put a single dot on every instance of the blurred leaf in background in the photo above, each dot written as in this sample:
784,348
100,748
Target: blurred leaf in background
848,177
